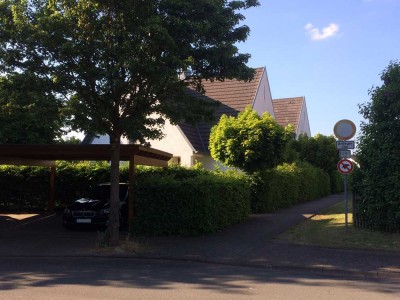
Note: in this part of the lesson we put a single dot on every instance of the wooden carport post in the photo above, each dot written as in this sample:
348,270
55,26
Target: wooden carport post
52,193
132,175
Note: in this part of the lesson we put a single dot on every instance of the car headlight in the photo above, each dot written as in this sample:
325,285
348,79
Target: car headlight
105,211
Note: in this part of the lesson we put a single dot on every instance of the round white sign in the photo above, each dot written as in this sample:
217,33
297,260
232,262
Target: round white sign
344,130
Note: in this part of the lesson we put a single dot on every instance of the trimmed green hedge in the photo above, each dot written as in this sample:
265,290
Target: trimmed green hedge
172,201
190,206
337,182
287,185
27,188
24,188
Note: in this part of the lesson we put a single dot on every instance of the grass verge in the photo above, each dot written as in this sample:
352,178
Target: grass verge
328,230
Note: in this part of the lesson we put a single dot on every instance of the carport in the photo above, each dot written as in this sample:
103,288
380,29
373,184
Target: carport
47,155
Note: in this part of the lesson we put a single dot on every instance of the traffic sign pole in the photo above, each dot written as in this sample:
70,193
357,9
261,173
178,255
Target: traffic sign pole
344,130
346,209
345,167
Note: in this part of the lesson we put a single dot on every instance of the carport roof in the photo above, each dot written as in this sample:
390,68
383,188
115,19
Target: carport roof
35,154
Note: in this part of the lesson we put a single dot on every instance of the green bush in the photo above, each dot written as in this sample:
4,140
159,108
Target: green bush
24,188
287,185
315,183
76,180
337,182
377,183
173,201
27,188
189,206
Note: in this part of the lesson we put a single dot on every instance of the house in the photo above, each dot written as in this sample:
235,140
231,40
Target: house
189,144
292,111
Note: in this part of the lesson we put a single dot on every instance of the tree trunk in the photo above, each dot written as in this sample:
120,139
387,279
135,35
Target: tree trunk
113,226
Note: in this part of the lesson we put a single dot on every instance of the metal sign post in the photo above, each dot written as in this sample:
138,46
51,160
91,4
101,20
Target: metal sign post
346,206
345,167
344,130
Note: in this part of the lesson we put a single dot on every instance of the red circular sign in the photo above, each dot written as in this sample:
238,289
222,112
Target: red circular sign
345,166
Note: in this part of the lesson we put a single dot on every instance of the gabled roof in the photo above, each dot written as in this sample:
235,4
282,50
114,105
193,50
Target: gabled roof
234,95
288,110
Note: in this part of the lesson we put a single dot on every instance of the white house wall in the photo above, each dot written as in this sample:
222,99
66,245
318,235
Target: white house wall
105,139
209,163
176,143
173,142
263,99
304,124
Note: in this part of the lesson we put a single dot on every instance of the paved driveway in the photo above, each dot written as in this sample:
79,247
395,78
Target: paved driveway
42,235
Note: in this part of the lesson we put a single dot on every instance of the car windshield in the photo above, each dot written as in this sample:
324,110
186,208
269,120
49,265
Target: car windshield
102,192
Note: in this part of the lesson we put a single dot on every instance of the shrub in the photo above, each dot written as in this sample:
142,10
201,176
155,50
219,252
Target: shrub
249,141
190,206
23,188
377,183
173,201
287,185
337,185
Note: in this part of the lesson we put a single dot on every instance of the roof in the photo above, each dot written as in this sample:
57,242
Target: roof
234,93
288,110
46,154
234,96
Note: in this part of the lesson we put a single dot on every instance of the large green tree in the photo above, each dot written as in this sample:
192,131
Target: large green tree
319,150
378,152
249,141
117,62
29,112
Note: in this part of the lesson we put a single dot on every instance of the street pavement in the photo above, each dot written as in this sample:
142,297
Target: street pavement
252,243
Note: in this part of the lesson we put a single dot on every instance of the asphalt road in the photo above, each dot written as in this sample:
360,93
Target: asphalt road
114,278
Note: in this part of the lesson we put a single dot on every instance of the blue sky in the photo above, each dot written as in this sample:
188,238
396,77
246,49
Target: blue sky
331,52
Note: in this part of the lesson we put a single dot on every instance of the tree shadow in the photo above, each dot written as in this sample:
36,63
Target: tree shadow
22,273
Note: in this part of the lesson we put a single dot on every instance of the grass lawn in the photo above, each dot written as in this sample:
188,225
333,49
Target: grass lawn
328,230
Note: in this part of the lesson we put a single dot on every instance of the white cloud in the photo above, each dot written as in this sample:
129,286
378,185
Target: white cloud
326,32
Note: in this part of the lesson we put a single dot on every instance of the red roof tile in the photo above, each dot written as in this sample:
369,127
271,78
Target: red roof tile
288,110
234,93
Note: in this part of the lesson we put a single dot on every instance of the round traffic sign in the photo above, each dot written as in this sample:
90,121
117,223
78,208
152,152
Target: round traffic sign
345,166
344,129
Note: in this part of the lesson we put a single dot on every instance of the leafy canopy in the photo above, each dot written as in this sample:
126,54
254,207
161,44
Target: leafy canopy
29,114
248,141
319,151
379,153
116,63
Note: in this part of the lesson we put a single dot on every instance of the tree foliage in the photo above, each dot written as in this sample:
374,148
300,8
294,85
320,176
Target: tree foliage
29,114
117,62
319,150
248,141
378,182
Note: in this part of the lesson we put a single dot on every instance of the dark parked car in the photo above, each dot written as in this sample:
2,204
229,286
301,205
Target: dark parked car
95,209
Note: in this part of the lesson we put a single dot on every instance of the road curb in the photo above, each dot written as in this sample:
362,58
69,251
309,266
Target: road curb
332,271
